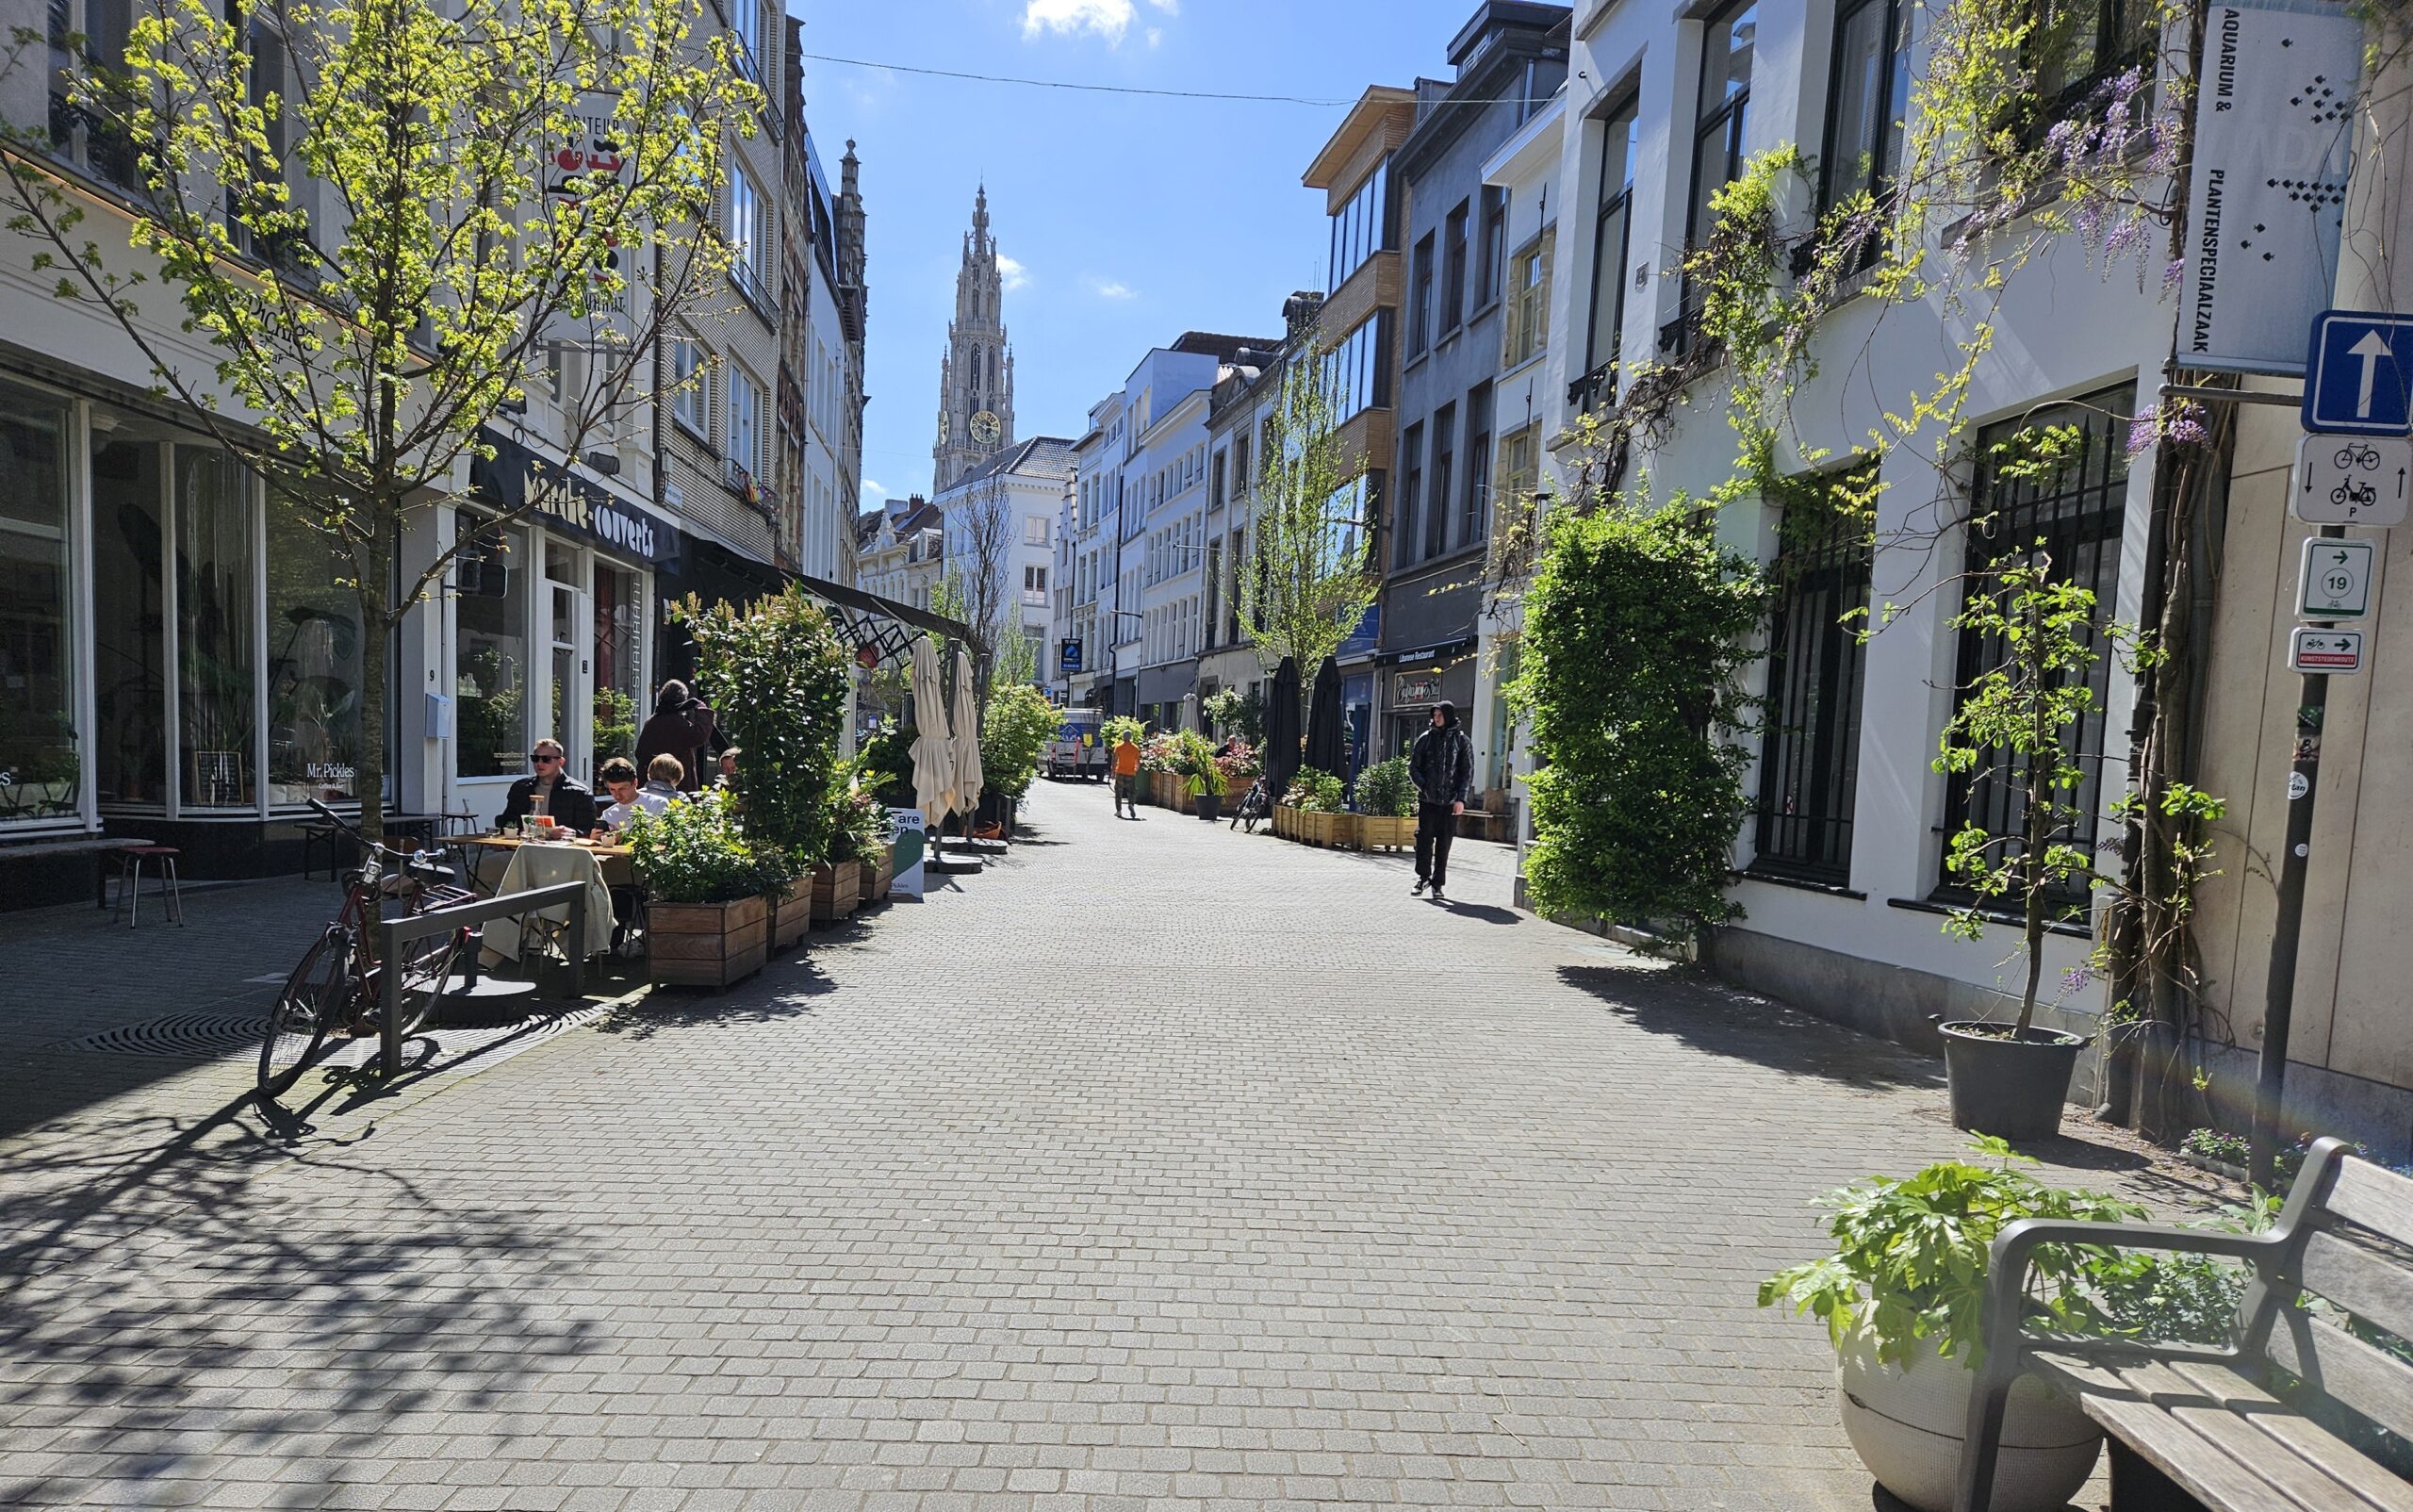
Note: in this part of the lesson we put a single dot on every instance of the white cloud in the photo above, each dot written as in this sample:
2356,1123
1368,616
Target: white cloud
1170,7
873,486
1011,272
1109,18
1113,288
1156,36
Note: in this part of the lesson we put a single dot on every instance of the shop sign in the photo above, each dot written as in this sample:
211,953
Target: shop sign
519,477
1415,689
1068,656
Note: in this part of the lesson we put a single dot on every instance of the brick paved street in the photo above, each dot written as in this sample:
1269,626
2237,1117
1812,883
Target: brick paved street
1160,1167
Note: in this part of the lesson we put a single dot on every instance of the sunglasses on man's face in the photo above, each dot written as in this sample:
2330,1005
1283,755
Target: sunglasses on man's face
544,756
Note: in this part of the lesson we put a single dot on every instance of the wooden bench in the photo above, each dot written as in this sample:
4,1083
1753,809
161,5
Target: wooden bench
2250,1428
82,845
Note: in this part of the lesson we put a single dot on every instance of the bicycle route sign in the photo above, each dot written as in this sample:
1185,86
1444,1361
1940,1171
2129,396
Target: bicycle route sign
2335,578
2318,649
2352,479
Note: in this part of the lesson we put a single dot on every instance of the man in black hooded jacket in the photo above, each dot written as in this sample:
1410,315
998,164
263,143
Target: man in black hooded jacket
1442,767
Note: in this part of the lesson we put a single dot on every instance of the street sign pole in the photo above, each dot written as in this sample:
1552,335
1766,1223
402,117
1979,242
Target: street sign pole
2303,786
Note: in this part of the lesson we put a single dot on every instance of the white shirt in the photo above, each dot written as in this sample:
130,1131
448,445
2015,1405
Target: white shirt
649,799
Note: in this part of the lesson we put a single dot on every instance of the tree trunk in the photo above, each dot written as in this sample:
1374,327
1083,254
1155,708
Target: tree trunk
375,563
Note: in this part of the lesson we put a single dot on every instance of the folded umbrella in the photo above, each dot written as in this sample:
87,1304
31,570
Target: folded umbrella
933,751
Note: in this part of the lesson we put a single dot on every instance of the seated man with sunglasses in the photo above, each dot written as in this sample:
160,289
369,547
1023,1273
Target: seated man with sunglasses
568,801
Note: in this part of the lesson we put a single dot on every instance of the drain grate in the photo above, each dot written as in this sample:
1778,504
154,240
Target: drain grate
177,1037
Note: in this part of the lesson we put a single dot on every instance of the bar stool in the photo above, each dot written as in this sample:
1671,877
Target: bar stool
129,884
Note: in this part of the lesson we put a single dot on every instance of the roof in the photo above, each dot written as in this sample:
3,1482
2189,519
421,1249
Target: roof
1213,344
1365,115
1042,456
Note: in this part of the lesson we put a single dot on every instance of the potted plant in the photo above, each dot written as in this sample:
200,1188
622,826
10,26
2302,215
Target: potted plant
1902,1296
1014,733
1242,766
707,921
1201,779
2018,726
1316,798
1386,799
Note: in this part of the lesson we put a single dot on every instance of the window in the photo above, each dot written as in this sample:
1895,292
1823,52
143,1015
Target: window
1360,227
1215,483
491,616
1034,584
1454,284
1419,310
2075,513
108,149
2077,45
1620,136
1520,454
746,24
1809,746
1356,369
745,231
1526,330
1869,90
1719,133
1437,506
314,667
1472,521
744,443
1035,529
1241,479
692,406
39,745
1411,491
1495,240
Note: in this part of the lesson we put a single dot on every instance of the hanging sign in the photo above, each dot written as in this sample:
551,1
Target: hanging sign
2351,480
2334,582
2314,648
2274,129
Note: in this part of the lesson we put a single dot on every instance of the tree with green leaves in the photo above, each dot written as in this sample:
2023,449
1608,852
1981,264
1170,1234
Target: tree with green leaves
1309,579
390,221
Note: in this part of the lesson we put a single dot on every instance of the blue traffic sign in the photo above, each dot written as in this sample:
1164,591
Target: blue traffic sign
2358,378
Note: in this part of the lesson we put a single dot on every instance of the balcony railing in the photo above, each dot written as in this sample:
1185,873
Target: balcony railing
1595,390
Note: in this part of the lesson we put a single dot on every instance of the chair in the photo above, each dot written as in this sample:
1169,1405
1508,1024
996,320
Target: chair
129,884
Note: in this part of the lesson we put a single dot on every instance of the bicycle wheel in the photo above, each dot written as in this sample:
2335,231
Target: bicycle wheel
318,995
427,970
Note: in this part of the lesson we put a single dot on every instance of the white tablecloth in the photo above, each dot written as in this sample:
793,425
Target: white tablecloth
536,866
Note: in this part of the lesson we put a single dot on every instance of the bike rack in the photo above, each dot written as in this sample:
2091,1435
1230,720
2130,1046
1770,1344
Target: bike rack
394,933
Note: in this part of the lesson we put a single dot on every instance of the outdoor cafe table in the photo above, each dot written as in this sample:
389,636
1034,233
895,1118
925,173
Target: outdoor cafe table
618,869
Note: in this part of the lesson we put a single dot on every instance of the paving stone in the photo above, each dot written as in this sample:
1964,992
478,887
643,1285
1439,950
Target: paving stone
1159,1166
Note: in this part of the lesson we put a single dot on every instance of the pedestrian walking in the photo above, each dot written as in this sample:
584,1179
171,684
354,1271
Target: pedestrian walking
1441,766
1126,777
681,726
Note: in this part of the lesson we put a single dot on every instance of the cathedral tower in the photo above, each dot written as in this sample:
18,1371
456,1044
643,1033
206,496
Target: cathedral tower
976,375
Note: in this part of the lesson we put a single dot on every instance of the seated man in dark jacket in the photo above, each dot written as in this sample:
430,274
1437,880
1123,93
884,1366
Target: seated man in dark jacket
568,801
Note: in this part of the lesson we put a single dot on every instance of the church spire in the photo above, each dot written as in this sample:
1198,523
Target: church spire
976,372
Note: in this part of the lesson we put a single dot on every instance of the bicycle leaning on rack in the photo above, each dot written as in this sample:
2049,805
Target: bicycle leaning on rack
339,986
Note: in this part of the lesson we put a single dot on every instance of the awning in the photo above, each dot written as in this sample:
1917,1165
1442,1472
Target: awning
883,623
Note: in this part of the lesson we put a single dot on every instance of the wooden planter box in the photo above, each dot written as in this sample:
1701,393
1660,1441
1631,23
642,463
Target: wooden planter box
837,886
875,875
1286,821
1340,829
1383,832
1313,827
705,945
792,914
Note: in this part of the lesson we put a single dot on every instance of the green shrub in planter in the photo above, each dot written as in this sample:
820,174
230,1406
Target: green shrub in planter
776,678
1019,724
1315,792
1385,788
696,851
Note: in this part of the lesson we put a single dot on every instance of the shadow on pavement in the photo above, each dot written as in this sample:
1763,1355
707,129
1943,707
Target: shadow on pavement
780,990
1483,913
1658,998
365,1293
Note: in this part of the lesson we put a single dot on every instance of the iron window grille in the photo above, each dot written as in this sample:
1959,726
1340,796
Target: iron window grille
1809,746
2070,520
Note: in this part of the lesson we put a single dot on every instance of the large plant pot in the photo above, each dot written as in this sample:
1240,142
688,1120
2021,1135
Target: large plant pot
792,914
705,945
1342,829
1906,1423
836,887
1385,831
1284,816
1209,805
2011,1089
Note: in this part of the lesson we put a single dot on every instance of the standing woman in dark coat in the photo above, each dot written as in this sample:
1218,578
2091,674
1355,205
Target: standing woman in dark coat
681,726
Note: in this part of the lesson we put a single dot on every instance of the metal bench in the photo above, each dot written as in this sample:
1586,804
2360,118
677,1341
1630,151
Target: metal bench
2253,1428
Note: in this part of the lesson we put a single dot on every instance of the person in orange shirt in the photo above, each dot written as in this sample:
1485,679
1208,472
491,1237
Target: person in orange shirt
1126,777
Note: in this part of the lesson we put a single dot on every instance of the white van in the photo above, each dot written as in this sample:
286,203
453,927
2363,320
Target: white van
1079,747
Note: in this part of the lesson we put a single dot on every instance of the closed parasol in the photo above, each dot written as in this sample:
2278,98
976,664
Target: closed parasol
1282,730
968,777
1325,751
933,752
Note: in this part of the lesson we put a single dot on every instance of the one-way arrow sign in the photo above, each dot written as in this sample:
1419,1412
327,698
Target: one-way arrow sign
2358,376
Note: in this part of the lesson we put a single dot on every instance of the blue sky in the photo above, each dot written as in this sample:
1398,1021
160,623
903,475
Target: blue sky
1127,220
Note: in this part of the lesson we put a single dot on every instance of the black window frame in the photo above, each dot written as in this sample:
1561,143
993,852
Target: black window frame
2080,522
1455,250
1817,682
1599,384
1410,494
1419,318
1891,106
1723,124
1473,513
1437,491
1495,244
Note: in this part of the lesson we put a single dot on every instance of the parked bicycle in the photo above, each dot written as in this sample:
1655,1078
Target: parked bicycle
339,986
1256,806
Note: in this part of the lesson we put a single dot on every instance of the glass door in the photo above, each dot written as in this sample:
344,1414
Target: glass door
620,682
568,620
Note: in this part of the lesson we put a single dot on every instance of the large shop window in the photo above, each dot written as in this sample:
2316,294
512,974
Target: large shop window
1809,746
314,665
2069,518
619,618
41,756
129,621
491,615
215,713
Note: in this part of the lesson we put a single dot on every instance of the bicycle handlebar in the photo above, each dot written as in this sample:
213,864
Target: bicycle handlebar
352,830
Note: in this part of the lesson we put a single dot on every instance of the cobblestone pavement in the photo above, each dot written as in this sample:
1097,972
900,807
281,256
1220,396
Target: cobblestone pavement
1159,1167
